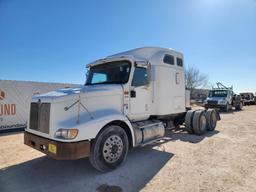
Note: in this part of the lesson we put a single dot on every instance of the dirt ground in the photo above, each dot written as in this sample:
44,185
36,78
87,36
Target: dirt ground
223,160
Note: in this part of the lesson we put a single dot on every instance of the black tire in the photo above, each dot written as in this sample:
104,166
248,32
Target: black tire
199,122
109,149
211,117
226,108
239,108
189,120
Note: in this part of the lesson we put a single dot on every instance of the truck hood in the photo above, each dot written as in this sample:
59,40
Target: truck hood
82,91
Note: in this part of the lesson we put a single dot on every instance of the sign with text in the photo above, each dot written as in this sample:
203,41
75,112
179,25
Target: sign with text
15,98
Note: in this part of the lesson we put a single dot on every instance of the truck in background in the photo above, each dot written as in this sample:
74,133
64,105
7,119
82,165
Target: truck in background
128,100
223,98
248,98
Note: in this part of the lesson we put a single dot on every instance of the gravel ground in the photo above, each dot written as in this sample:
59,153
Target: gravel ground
223,160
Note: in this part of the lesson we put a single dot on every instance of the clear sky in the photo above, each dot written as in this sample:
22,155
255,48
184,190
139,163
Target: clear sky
52,41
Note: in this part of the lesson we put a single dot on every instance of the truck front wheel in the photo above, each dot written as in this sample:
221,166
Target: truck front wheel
226,108
109,149
240,106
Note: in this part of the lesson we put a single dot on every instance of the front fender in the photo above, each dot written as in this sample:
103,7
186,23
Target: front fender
90,127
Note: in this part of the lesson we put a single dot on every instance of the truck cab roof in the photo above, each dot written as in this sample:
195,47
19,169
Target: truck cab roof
154,55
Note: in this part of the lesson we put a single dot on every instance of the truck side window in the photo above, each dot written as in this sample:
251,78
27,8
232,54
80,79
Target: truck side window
179,62
140,77
169,59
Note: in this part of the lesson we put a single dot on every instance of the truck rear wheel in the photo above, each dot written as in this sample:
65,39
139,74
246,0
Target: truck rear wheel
211,118
189,120
199,122
109,149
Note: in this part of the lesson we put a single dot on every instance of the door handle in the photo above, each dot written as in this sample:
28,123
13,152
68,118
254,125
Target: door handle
133,93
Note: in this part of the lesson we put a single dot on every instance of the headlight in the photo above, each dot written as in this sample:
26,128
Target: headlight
66,133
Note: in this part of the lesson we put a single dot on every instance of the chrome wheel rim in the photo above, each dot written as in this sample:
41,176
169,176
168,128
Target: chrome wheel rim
113,148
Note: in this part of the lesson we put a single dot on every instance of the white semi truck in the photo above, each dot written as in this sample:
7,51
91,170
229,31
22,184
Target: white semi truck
224,98
128,100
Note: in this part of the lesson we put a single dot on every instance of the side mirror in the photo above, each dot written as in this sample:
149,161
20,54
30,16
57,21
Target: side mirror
132,94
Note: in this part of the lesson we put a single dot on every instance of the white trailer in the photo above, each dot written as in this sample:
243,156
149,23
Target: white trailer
128,100
15,98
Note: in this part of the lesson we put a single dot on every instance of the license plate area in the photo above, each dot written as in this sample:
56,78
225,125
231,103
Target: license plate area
52,148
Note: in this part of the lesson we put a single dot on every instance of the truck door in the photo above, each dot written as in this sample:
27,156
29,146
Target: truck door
140,94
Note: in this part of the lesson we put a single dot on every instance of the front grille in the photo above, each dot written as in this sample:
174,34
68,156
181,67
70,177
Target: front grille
40,117
212,102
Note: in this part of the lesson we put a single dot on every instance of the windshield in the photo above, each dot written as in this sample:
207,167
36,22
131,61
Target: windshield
116,72
218,93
